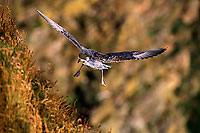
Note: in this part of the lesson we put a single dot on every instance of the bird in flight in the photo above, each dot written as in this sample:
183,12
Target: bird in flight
96,60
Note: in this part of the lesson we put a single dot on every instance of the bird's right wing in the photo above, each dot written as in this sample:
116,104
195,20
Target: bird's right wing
130,55
63,31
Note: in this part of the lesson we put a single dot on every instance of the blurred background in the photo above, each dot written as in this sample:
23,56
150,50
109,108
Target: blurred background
161,94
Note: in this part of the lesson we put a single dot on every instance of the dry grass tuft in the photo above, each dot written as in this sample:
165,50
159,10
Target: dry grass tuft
26,102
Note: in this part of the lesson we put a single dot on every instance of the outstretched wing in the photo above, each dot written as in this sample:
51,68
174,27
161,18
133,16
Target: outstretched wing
131,55
63,31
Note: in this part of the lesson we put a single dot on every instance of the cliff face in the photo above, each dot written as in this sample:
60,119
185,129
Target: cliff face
28,101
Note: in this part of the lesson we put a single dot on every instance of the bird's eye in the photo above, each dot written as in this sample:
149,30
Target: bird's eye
82,56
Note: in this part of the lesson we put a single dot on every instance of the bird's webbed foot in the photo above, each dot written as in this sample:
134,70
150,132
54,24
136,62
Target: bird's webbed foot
77,74
102,80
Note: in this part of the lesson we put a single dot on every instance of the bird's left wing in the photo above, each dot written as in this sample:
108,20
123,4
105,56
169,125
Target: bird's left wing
63,31
131,55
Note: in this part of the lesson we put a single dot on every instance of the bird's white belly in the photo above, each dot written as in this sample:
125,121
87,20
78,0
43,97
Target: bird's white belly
95,64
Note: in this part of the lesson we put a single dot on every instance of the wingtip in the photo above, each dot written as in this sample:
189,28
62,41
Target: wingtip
165,48
36,9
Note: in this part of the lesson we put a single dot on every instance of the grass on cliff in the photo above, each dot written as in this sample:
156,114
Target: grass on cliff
26,99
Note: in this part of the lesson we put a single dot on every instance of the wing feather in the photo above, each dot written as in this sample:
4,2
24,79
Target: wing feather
63,31
131,55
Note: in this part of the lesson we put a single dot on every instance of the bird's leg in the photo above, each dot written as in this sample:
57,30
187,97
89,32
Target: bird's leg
78,60
77,74
102,80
